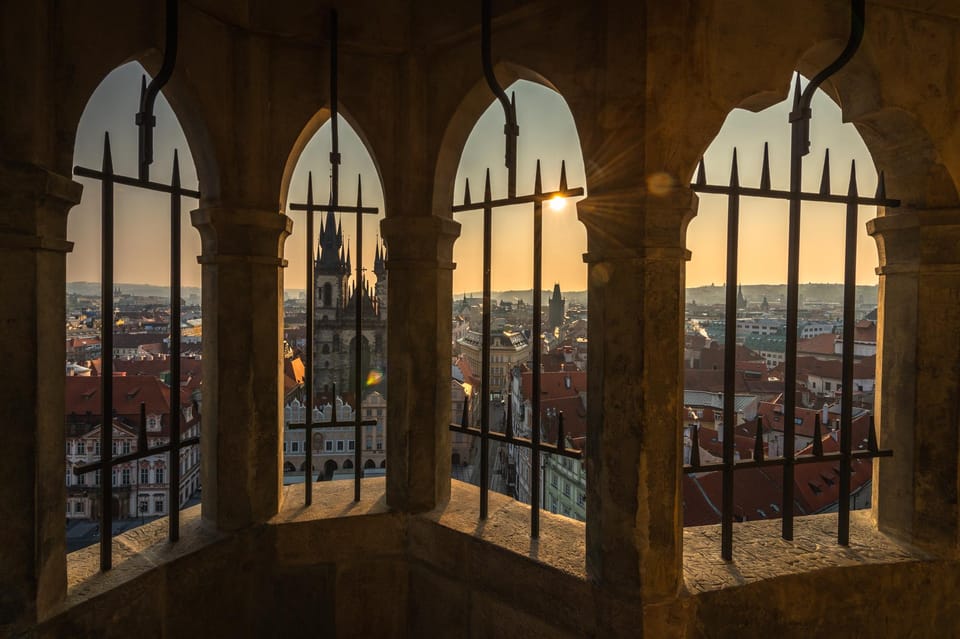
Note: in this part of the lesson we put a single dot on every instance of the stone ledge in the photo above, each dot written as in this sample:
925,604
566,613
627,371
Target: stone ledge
759,553
135,553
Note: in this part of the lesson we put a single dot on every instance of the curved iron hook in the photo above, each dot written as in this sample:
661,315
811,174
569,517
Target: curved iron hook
801,109
510,128
145,119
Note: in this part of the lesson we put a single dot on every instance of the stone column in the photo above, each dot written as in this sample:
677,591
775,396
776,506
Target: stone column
918,378
420,282
33,247
635,376
242,408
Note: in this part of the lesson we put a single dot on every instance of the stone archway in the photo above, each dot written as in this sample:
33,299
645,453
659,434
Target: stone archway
369,464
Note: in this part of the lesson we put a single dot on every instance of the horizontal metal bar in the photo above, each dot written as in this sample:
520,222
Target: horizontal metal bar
745,191
333,208
123,459
572,453
781,461
137,182
519,199
321,425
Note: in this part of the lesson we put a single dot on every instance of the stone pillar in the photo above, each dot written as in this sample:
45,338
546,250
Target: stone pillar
918,377
420,282
33,247
242,363
635,376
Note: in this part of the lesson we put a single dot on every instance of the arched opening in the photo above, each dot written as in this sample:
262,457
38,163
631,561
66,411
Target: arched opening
348,464
288,467
141,269
383,464
332,335
369,464
303,466
760,333
547,133
329,468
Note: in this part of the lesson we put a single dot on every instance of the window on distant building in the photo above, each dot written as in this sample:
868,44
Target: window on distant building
81,448
78,507
379,443
158,504
339,444
125,477
158,474
350,445
144,476
295,446
329,445
126,447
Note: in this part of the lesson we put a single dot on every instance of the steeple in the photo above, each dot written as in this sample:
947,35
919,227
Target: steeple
741,300
380,261
329,245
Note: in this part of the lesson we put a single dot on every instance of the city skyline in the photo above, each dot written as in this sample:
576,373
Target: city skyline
548,132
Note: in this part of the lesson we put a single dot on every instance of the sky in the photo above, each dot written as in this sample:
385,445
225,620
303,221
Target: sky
547,132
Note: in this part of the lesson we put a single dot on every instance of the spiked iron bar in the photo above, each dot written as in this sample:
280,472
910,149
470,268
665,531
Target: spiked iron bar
800,127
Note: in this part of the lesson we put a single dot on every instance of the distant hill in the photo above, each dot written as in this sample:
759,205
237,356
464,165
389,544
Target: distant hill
754,293
139,290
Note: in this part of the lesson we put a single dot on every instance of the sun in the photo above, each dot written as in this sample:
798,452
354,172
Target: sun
557,203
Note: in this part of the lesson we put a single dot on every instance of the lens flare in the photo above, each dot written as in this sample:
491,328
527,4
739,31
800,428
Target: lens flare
557,203
374,378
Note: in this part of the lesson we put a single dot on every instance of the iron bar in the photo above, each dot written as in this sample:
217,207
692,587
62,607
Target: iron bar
334,111
746,191
123,180
358,351
779,461
106,356
524,442
485,353
730,362
139,454
174,457
511,130
531,198
308,349
536,345
145,119
846,380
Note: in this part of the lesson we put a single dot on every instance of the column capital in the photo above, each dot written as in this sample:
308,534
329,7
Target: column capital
34,207
917,240
420,242
651,226
233,234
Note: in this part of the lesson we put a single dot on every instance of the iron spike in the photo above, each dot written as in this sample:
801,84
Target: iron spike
175,179
466,193
796,93
359,191
142,433
310,195
734,173
817,437
537,186
701,173
765,171
486,188
143,89
872,437
758,442
695,446
825,178
107,156
563,176
852,191
881,187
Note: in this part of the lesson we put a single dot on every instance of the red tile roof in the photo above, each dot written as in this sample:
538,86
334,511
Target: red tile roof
554,385
819,345
83,395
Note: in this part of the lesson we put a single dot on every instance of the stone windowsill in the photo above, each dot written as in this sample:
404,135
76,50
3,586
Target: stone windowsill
759,552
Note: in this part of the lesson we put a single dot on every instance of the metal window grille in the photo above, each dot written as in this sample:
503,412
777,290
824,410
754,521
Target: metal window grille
108,179
487,205
800,122
310,208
